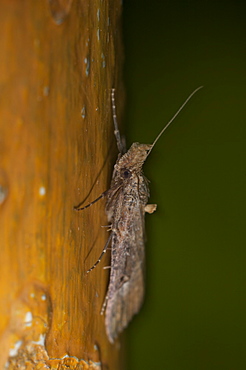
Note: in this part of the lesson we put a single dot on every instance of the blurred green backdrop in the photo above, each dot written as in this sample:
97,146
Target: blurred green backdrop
194,311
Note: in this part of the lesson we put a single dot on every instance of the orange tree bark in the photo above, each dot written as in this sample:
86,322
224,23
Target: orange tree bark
58,63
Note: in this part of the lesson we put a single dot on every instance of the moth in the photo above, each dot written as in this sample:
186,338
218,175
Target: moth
126,205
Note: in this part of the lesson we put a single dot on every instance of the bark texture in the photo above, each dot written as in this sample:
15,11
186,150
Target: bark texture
59,61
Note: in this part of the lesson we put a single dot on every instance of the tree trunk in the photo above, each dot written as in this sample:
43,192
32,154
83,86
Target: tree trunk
59,61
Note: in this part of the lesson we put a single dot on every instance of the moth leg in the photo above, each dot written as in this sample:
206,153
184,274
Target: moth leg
109,227
150,208
103,252
119,141
94,201
104,305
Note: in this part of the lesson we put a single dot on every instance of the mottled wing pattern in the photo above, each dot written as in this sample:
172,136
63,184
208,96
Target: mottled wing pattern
126,287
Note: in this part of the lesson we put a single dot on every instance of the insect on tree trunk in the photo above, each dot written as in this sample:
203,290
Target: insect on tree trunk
59,61
126,206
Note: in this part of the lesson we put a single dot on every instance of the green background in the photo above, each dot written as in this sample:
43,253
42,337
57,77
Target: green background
194,311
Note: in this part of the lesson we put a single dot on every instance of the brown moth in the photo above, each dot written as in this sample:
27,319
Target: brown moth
126,205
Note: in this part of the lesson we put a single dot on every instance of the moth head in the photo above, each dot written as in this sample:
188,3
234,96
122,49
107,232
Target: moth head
133,159
139,152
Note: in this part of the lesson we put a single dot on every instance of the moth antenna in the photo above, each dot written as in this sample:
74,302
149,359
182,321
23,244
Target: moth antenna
116,128
173,118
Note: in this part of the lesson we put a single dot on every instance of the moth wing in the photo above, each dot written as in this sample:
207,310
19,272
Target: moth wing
126,287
